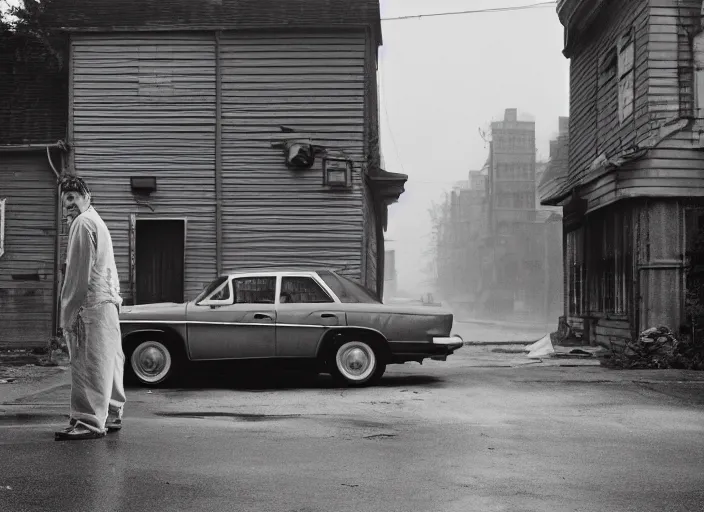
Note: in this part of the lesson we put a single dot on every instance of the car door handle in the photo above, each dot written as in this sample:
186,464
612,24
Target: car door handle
328,315
262,316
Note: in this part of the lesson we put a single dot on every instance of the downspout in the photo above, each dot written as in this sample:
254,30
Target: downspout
57,247
218,157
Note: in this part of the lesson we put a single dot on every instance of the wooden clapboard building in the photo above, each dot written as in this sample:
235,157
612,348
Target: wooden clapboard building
33,117
194,123
635,187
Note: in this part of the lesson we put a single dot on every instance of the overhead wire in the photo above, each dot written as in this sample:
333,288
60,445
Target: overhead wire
473,11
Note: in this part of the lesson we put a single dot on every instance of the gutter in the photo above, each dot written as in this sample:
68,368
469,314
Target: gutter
31,147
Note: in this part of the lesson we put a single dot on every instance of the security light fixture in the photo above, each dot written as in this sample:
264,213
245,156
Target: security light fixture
143,184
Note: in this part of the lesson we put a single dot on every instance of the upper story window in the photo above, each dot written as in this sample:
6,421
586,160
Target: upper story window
626,72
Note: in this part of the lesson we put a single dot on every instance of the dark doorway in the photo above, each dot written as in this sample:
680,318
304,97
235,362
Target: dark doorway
159,260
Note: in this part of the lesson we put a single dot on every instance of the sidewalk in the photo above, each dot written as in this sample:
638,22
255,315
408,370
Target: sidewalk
24,374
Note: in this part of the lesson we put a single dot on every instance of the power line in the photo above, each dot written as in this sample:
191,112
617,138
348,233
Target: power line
476,11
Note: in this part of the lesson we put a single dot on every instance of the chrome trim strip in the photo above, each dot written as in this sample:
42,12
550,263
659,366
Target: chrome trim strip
244,324
307,325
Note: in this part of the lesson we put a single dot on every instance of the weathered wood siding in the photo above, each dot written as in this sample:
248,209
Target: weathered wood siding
664,97
661,248
144,105
275,216
610,333
371,248
594,120
27,267
674,168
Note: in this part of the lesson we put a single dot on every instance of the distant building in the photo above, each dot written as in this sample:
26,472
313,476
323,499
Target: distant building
498,249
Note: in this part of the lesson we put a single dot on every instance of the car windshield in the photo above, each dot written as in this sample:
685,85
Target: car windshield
211,288
346,289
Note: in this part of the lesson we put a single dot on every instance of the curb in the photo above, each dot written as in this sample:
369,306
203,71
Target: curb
485,343
497,323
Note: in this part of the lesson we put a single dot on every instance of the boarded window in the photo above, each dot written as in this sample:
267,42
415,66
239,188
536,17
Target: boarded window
156,71
626,69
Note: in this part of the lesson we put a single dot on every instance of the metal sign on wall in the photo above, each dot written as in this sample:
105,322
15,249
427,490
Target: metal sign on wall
2,226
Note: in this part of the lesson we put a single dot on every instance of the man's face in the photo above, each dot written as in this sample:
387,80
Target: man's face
75,204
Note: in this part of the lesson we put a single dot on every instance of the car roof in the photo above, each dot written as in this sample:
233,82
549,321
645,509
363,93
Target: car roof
292,270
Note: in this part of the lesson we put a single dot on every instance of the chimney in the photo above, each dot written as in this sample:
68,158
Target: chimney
511,115
564,124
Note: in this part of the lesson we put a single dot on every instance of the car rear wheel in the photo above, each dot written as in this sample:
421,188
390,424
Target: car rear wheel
356,363
152,362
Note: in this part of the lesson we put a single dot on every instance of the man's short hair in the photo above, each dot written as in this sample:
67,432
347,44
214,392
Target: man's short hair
74,184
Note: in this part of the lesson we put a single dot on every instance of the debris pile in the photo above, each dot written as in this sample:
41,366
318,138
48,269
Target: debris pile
657,348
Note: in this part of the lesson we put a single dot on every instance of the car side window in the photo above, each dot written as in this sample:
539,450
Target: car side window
302,290
254,290
222,294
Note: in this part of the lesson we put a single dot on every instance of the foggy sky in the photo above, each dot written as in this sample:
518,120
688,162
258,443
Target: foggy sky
443,78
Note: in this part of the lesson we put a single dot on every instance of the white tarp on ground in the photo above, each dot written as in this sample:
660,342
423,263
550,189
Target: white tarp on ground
541,348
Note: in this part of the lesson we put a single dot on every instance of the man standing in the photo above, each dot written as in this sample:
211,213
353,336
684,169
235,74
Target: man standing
90,302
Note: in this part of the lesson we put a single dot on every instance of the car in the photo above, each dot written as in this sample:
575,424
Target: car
318,316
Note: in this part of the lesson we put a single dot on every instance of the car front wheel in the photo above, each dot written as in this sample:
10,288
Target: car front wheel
356,363
152,362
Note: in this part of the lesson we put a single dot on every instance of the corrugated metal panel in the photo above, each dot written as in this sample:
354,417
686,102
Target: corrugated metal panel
27,267
273,216
144,105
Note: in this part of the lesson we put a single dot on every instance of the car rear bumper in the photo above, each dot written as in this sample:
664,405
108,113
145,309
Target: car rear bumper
437,348
449,341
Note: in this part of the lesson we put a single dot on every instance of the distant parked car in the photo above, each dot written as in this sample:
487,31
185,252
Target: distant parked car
319,316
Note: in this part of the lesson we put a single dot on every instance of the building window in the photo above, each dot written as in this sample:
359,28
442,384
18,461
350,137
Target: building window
609,262
626,60
574,260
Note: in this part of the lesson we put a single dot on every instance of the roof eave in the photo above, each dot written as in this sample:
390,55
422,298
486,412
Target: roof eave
216,26
577,16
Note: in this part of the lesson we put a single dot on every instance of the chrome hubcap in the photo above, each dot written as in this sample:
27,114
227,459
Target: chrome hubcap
151,361
356,361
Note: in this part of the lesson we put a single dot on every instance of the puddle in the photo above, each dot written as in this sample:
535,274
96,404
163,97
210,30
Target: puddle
232,415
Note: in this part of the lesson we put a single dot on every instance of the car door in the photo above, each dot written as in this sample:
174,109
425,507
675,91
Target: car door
238,320
306,308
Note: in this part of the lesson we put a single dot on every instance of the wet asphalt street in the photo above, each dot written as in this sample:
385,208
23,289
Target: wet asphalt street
484,431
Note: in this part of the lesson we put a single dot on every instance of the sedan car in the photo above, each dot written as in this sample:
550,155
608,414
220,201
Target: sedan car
316,316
